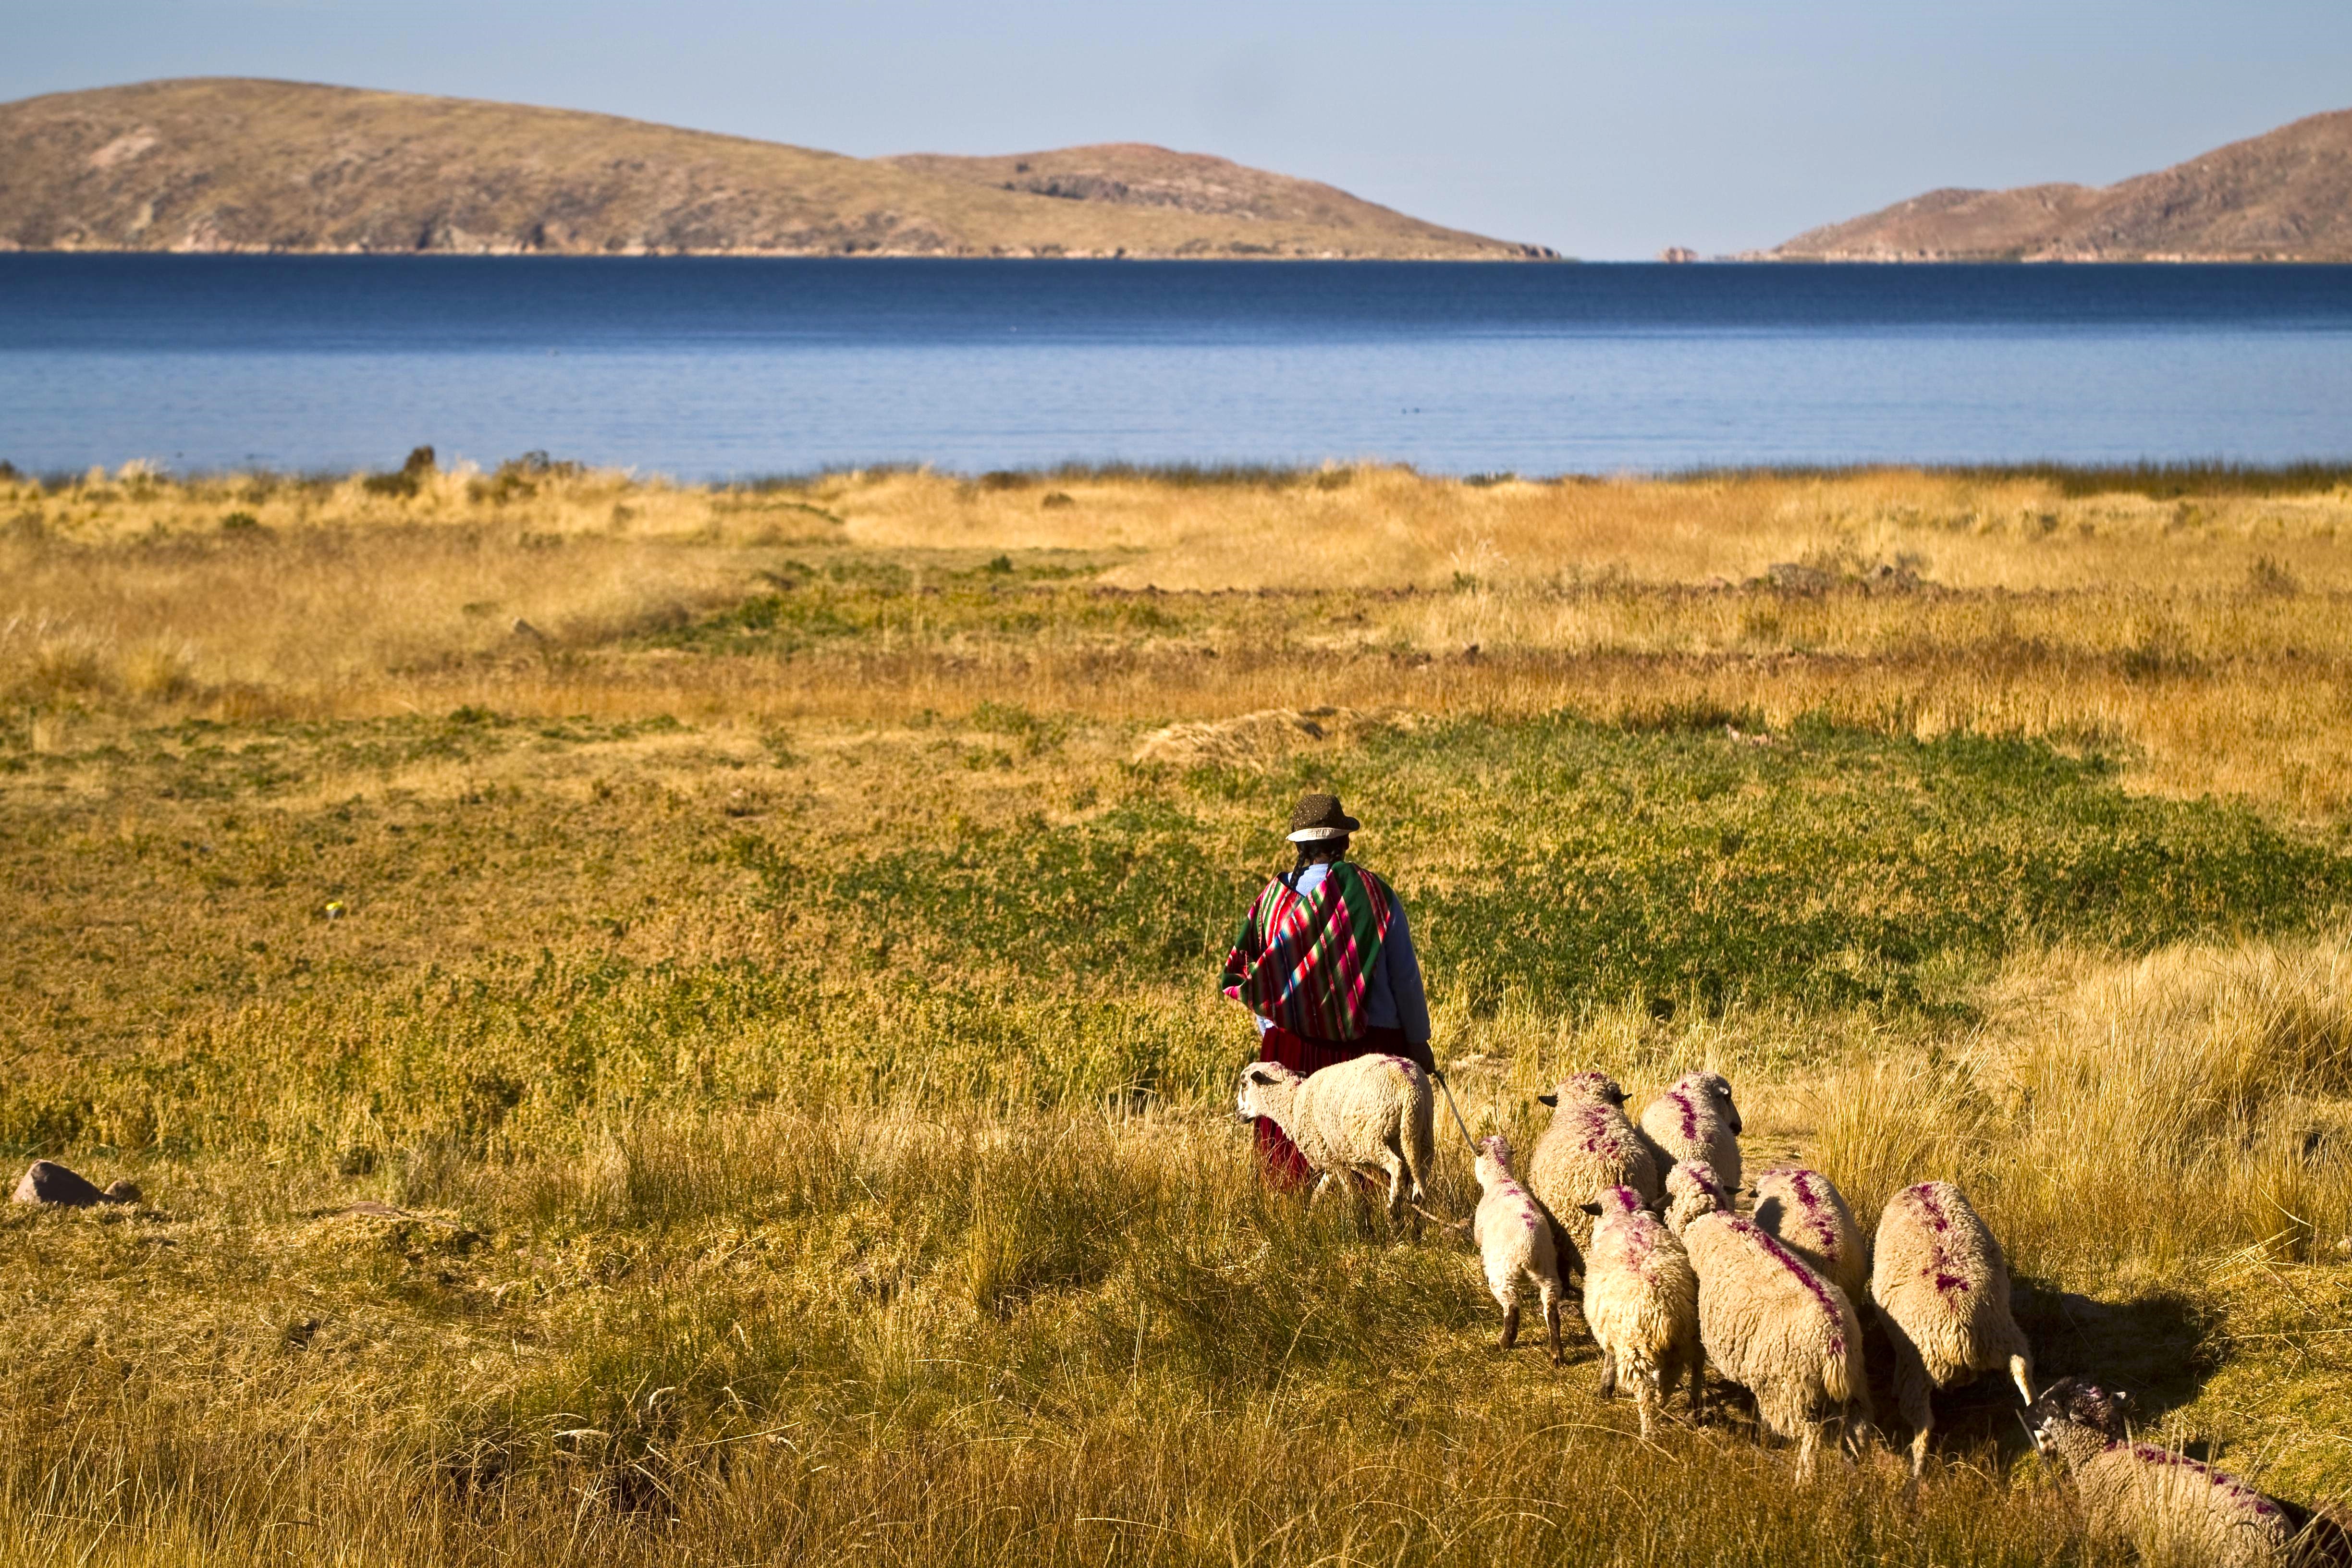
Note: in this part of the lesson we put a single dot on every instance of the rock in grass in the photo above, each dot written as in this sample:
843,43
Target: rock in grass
51,1183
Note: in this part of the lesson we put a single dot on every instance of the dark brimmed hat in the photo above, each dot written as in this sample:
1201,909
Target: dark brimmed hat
1320,816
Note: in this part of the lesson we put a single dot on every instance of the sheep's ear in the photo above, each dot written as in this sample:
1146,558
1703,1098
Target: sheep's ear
1589,1208
1547,1100
2123,1400
1259,1074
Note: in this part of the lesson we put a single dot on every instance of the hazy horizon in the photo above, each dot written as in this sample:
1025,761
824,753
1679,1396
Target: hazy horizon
1604,136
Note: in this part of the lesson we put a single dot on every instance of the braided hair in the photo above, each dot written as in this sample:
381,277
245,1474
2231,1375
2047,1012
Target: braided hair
1320,851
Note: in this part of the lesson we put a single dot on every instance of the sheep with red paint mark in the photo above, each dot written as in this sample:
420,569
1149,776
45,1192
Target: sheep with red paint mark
1806,1211
1516,1243
1641,1302
1696,1119
2167,1506
1589,1147
1770,1322
1692,1190
1370,1115
1942,1290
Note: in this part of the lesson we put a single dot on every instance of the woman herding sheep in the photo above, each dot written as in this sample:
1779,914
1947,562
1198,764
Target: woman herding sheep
1325,962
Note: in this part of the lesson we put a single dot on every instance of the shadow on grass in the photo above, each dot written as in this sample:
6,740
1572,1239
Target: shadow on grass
2157,1347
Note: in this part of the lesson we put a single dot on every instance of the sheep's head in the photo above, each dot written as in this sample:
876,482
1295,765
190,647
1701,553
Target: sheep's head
2074,1413
1615,1204
1265,1088
1716,1089
1585,1087
1494,1162
1692,1190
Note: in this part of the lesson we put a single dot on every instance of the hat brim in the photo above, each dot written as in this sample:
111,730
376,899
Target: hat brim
1309,835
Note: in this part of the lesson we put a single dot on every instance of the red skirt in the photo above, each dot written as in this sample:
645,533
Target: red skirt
1280,1164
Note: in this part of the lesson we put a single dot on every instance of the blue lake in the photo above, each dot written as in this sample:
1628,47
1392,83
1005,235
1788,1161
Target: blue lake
715,368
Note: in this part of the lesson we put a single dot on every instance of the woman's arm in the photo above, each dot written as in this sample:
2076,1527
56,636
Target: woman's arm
1403,974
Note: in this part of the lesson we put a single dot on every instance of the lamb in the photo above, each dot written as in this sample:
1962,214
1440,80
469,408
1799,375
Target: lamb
1770,1322
1691,1191
1696,1119
1804,1210
1515,1239
1943,1290
1371,1113
2173,1509
1641,1301
1589,1147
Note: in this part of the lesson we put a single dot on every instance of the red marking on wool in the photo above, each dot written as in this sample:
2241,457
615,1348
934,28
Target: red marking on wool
1930,1206
1769,1245
1951,1283
1807,1189
1594,1120
2147,1453
1690,1115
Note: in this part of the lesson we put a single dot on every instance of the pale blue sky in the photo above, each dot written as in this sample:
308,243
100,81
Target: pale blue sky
1605,130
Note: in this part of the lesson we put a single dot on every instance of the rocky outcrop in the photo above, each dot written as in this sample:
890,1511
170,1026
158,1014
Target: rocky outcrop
56,1186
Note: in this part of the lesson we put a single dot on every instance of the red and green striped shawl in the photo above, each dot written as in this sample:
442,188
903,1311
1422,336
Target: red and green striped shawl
1304,961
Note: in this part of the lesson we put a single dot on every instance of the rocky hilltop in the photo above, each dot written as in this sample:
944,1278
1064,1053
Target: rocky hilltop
230,165
2285,196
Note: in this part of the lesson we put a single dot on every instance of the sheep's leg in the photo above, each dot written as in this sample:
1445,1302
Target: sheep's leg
1608,1372
1645,1384
1510,1325
1321,1181
2020,1371
1696,1370
1393,1164
1551,1323
1911,1398
1807,1441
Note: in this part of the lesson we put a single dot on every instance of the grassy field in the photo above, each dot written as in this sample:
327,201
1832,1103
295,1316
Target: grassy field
763,940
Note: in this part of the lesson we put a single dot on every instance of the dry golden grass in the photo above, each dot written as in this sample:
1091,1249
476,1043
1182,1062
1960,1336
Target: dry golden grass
2202,636
779,995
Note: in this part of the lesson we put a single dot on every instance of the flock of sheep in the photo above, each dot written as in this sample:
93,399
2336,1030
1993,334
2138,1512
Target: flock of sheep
1675,1279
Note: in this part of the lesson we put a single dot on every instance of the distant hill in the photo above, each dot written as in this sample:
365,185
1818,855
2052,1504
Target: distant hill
2285,197
230,165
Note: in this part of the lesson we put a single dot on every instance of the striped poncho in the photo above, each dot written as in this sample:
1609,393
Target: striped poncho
1304,961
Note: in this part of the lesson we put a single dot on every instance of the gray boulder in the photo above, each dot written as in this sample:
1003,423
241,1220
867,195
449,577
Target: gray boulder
51,1183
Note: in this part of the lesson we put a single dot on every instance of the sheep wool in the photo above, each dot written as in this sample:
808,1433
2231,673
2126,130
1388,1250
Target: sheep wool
1691,1191
1514,1242
2170,1507
1769,1321
1641,1302
1696,1119
1805,1211
1942,1289
1371,1114
1589,1147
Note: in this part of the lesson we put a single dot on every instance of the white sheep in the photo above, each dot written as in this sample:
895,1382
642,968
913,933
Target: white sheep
1942,1290
1589,1148
1516,1243
2169,1505
1368,1114
1769,1321
1805,1210
1691,1191
1641,1302
1696,1119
